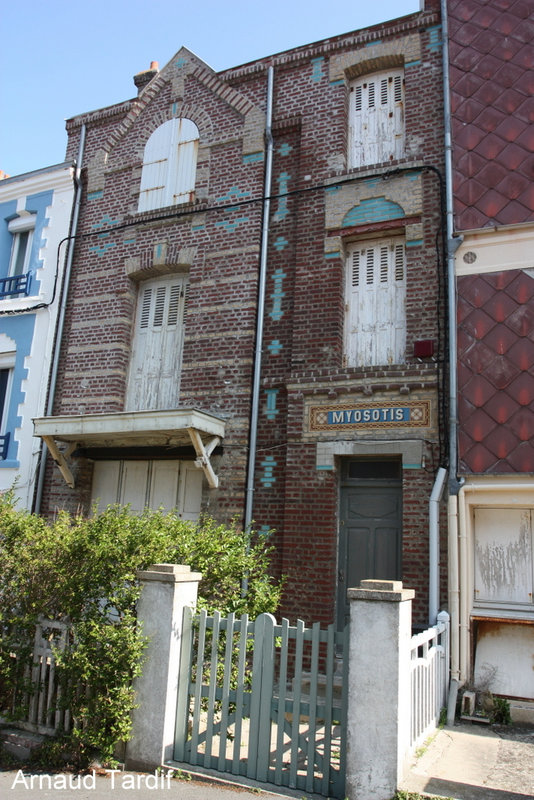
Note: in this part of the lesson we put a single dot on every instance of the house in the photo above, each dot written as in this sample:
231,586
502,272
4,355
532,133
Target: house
492,564
255,324
35,212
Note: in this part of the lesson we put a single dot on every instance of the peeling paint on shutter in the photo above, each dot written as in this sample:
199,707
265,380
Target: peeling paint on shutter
169,165
376,119
155,364
376,321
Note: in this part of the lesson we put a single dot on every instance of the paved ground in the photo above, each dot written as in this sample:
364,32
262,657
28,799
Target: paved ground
471,761
465,762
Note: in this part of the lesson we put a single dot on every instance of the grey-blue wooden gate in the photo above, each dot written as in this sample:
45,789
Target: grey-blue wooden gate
263,700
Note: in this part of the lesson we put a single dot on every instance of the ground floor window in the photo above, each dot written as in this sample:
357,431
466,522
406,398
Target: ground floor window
157,484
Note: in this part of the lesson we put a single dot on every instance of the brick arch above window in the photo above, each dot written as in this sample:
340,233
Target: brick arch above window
387,61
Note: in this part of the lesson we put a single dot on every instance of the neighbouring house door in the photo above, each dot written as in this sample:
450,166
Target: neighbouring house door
166,484
370,526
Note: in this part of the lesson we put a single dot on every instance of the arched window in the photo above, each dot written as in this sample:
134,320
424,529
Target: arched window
169,165
376,118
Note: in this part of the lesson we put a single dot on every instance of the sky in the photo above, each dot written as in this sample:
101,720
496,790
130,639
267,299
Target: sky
61,58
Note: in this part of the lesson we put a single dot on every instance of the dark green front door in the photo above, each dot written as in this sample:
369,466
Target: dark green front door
370,529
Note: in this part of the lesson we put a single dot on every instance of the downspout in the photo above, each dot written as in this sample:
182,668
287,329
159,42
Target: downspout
433,545
455,584
61,315
255,401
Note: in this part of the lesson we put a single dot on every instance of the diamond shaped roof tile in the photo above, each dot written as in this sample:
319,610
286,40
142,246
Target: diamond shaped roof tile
522,425
522,458
500,33
478,324
501,442
522,354
501,407
521,288
477,459
499,307
478,391
521,322
522,389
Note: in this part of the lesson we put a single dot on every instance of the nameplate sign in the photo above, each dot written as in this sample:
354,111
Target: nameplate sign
370,415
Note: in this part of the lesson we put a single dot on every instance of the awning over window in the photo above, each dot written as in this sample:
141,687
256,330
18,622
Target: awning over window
172,428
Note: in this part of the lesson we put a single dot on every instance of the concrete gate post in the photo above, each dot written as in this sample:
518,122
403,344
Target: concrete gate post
165,590
378,688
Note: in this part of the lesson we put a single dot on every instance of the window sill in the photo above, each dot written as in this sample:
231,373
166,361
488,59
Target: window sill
168,212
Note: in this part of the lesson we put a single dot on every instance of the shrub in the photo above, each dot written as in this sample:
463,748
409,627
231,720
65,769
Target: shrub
83,571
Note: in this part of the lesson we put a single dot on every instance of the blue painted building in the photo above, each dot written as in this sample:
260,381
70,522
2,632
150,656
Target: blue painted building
35,212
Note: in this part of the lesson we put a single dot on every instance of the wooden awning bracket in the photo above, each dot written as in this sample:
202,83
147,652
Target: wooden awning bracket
204,452
61,458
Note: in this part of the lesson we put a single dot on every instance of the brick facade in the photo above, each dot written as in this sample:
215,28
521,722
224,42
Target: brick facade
319,206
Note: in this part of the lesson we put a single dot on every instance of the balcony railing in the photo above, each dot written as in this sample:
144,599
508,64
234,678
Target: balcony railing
16,284
4,445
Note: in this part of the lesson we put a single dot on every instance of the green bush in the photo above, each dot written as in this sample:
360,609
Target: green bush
83,571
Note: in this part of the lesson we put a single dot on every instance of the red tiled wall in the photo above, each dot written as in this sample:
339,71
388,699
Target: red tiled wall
496,372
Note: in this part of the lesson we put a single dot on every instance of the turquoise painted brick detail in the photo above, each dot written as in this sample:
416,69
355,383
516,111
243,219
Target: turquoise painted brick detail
412,63
340,82
270,409
372,181
95,195
180,62
197,227
231,226
264,531
317,73
414,243
337,254
101,249
234,193
376,209
325,467
434,37
268,478
332,189
278,295
372,44
285,149
280,243
274,347
252,157
413,176
130,241
106,222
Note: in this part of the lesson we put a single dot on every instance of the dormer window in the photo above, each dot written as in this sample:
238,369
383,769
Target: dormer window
169,165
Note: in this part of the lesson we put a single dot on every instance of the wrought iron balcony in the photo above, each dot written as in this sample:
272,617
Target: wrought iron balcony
16,284
4,445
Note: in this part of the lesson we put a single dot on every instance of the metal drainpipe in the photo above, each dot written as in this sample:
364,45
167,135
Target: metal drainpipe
433,545
254,413
61,315
453,243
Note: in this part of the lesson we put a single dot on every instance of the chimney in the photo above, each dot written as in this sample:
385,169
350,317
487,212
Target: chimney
142,78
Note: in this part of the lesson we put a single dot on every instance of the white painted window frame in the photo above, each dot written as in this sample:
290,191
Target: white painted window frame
17,227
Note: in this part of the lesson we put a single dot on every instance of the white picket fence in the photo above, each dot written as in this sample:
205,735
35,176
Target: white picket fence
429,667
43,700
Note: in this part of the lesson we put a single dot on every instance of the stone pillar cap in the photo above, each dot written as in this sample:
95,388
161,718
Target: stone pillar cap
172,573
380,590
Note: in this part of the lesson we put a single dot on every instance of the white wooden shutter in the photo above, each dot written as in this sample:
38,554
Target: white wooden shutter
155,365
376,300
169,485
169,165
376,118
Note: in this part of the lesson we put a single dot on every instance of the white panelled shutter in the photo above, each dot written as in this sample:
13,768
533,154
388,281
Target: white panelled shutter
155,364
169,485
376,118
376,303
169,165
